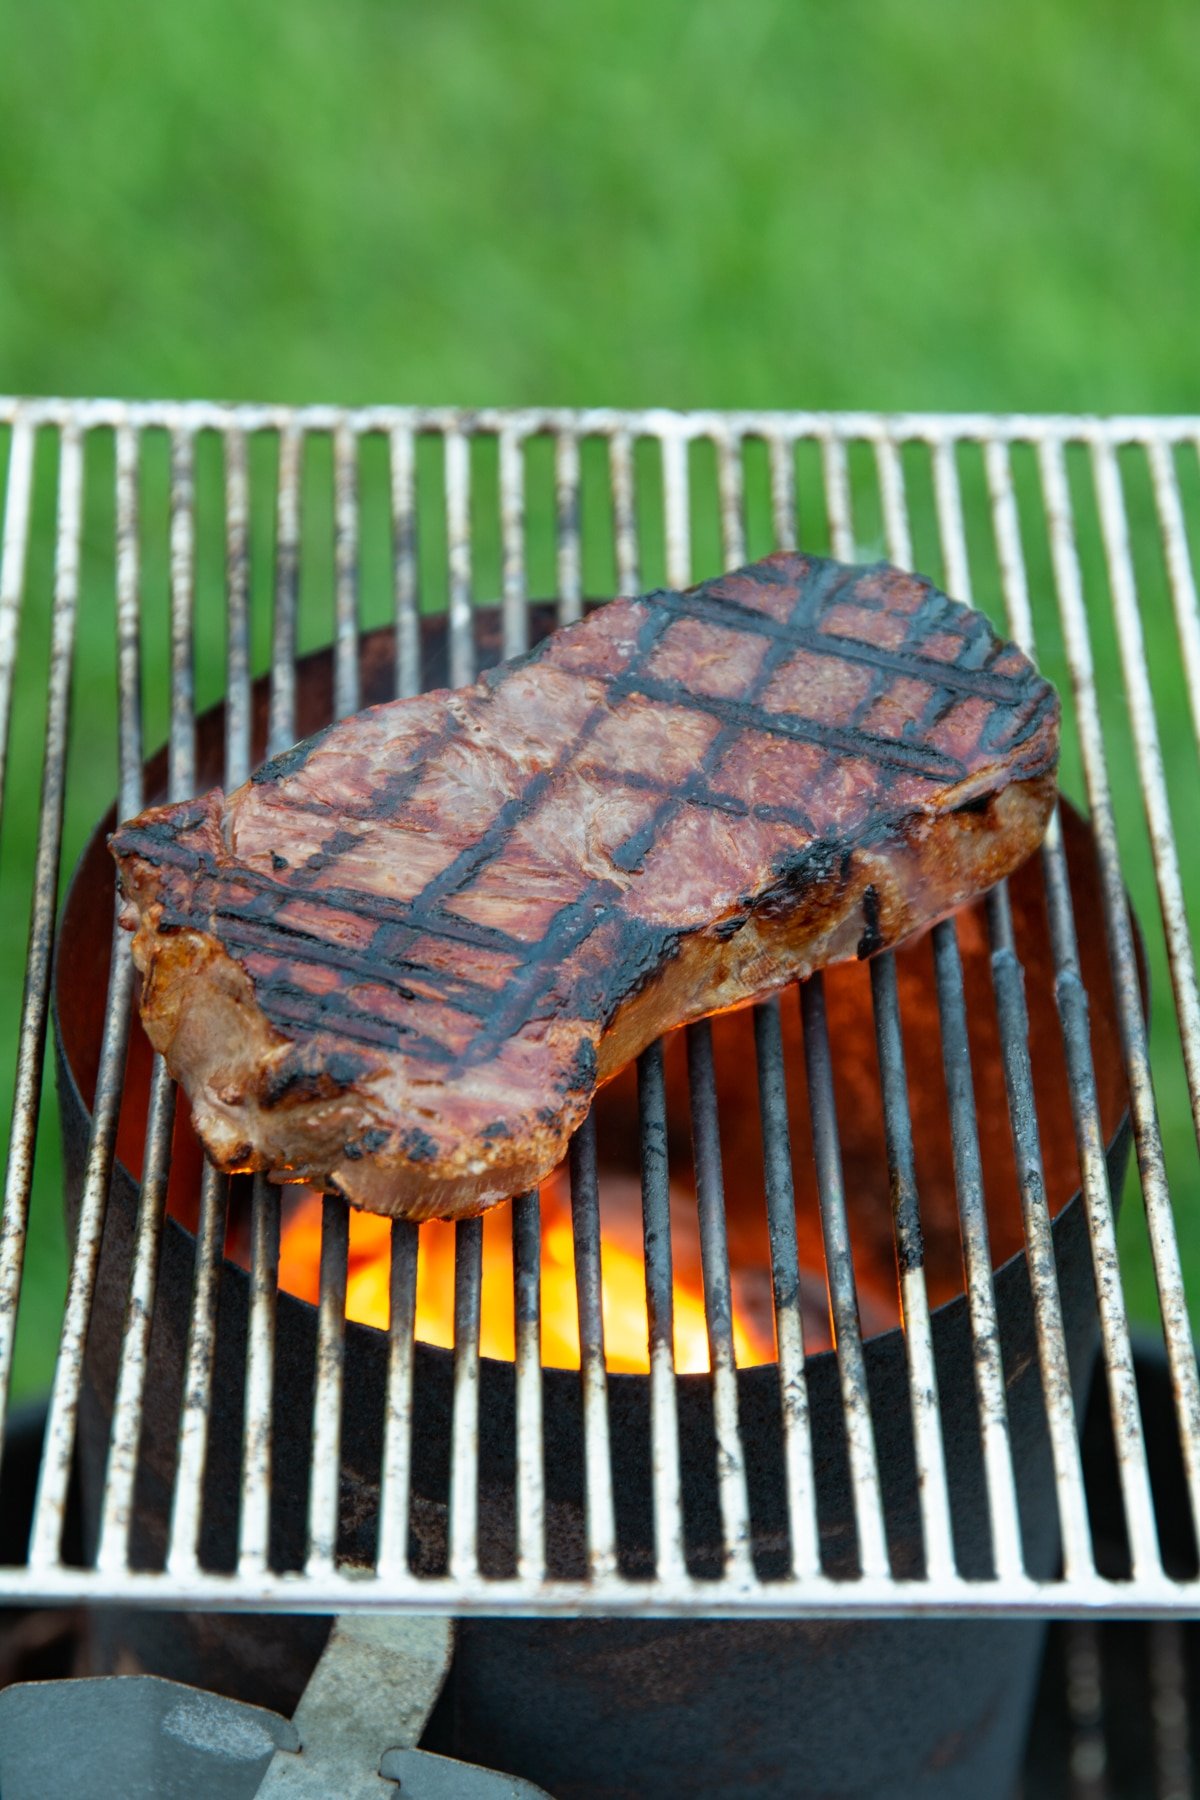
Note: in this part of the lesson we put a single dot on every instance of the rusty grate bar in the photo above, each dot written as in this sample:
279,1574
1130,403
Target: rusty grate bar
660,1313
531,1497
397,1439
585,1219
718,1302
968,495
27,1093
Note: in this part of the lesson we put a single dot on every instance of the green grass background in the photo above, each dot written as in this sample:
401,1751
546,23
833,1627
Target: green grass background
905,204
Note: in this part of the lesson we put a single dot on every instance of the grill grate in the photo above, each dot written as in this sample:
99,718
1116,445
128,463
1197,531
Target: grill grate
630,496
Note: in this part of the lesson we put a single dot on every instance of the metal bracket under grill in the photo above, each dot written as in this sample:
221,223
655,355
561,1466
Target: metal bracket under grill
1074,532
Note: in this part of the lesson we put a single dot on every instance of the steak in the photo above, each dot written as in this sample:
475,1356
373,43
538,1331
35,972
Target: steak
399,960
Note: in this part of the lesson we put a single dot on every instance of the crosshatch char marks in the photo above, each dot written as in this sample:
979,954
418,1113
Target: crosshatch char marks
399,959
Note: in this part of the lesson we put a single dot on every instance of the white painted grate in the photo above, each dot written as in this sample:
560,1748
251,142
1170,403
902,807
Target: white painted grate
1077,534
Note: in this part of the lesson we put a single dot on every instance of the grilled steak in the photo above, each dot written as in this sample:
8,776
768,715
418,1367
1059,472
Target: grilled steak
397,962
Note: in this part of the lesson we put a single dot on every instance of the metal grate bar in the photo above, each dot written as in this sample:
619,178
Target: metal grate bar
117,1508
890,472
512,544
785,1290
1009,983
660,1314
35,1001
183,1553
345,576
237,609
14,544
837,497
843,1294
255,1513
464,1433
732,500
625,538
677,510
1179,568
1008,979
1147,1135
781,455
566,513
128,627
254,1524
181,779
458,549
718,1302
1073,1013
335,1225
706,1143
468,1248
327,1390
597,1453
923,1398
184,1539
924,1404
395,1472
392,1559
527,1325
403,473
281,727
1148,751
977,1258
58,1448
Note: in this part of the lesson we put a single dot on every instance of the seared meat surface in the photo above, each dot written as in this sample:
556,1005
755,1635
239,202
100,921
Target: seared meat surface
397,962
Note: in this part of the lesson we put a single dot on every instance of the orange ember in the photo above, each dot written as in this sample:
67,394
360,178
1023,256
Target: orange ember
623,1276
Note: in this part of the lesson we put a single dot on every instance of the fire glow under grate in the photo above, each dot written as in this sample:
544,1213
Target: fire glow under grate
1077,536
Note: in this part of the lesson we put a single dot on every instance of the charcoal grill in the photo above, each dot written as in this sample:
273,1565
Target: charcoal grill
1069,529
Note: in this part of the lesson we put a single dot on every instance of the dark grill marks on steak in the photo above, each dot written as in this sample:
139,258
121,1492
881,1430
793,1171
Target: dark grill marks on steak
749,702
577,922
629,855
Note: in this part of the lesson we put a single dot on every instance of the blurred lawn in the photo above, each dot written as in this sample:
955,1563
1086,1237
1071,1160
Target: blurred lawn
766,204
